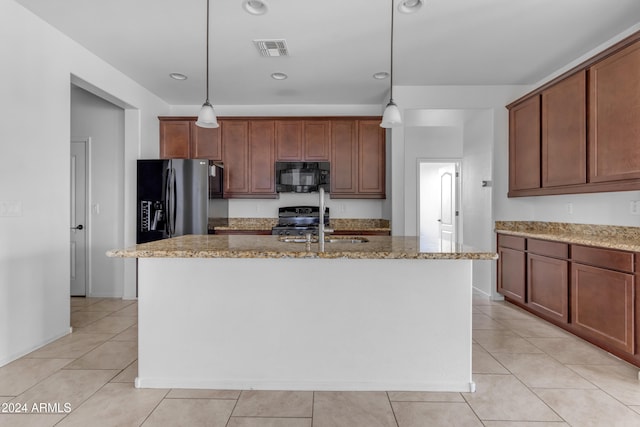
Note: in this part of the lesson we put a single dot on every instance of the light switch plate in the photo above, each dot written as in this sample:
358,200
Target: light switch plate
10,208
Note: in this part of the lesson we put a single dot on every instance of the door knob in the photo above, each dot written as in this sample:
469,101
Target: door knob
78,227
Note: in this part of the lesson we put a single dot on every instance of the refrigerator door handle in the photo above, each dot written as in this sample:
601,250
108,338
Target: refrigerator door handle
172,202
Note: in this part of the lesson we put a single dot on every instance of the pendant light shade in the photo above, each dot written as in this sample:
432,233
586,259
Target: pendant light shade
391,116
207,117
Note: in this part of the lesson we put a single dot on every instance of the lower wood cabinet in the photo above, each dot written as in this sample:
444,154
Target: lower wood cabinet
602,306
511,277
589,291
548,286
548,279
512,268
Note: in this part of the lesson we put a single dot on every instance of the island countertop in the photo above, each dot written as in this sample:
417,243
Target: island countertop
251,246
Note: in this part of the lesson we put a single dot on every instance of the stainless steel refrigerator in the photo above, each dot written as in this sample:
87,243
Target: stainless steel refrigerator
174,196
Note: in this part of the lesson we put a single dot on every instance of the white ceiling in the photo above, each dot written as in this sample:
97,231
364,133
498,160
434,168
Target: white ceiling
336,45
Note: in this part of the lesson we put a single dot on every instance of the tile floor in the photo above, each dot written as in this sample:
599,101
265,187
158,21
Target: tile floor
528,373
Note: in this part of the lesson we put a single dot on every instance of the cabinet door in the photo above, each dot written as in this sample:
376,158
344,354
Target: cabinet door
261,148
548,286
205,143
317,140
371,159
614,116
343,158
235,150
512,274
524,145
564,132
175,139
289,140
602,306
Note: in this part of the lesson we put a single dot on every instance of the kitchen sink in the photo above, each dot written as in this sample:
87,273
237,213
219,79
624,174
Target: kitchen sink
345,239
327,239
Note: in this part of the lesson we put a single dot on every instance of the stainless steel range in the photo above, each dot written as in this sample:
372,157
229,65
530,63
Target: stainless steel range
299,220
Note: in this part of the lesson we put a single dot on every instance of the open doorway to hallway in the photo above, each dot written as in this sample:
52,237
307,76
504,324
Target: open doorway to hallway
101,122
438,202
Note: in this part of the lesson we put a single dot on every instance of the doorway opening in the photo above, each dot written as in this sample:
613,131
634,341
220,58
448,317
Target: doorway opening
438,203
79,228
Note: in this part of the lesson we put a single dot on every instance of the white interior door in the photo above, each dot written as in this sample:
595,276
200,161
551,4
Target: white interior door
448,210
78,285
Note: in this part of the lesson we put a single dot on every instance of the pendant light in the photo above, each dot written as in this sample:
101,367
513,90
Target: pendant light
207,117
391,116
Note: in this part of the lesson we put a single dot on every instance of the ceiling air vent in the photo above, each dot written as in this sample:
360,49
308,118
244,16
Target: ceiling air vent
272,47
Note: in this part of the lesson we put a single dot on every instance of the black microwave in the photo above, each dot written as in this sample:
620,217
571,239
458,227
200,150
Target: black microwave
302,177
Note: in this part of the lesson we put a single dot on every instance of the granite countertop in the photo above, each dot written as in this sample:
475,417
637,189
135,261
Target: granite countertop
340,224
239,246
605,236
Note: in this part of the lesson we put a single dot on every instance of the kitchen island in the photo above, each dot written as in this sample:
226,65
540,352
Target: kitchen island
254,312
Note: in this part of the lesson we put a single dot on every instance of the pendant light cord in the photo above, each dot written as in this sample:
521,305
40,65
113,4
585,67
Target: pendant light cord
207,50
391,67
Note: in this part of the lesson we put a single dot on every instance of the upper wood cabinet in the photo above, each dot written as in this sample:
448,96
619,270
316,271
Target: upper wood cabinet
250,146
524,145
205,143
564,132
344,160
180,138
357,159
371,159
303,140
548,148
614,116
175,139
261,155
235,149
317,140
248,157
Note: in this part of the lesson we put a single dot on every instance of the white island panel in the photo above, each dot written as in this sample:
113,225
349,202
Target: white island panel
305,324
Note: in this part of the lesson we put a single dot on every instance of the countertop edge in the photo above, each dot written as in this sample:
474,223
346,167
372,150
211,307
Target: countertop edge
487,256
574,239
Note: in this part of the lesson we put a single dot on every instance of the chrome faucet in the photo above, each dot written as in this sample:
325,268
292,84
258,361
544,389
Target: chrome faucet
321,228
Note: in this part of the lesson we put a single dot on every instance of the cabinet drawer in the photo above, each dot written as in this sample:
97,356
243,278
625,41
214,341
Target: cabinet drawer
606,258
547,248
512,242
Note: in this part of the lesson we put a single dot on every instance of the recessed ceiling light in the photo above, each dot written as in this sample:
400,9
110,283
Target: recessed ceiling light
381,75
410,6
255,7
178,76
279,76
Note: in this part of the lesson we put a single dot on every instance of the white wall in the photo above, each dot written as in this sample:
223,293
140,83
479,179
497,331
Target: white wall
101,121
38,64
477,200
338,208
